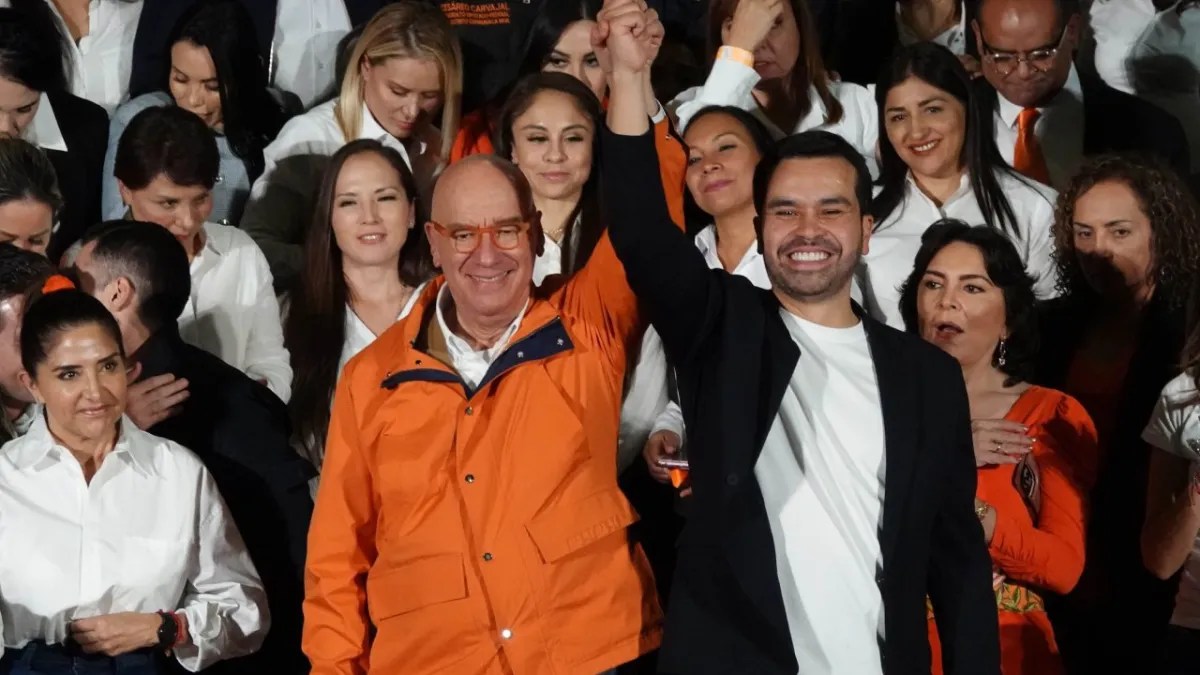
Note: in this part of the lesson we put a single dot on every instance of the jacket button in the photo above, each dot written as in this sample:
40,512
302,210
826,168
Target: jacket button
520,355
470,410
506,634
470,478
487,557
731,479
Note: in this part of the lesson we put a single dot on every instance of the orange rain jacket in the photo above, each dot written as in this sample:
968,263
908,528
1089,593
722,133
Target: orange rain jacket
482,531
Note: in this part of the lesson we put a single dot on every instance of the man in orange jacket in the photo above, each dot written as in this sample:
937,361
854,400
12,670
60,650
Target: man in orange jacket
468,518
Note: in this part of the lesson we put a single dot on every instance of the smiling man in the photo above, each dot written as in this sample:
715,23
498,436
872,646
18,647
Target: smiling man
831,456
468,517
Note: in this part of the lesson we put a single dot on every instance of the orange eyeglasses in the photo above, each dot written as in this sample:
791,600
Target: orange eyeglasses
505,235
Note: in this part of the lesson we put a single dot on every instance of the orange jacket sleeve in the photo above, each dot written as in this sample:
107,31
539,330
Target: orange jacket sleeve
1051,554
341,548
672,165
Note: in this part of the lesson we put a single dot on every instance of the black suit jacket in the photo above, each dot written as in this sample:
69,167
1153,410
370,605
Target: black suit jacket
84,127
734,358
152,51
240,430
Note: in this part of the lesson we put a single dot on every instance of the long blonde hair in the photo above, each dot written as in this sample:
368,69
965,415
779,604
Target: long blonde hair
404,30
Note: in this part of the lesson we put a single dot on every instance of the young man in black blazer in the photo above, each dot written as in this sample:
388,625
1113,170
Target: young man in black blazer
238,427
831,456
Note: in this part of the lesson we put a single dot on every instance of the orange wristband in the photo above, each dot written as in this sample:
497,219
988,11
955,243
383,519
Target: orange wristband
736,54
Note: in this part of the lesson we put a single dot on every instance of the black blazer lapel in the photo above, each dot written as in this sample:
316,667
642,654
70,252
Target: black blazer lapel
898,400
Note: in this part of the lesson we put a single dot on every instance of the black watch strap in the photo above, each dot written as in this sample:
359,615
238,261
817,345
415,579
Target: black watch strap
167,631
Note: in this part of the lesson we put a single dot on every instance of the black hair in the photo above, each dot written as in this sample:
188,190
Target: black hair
759,135
1006,270
153,261
547,28
51,314
588,209
695,217
26,173
167,141
812,144
21,271
33,52
938,67
251,116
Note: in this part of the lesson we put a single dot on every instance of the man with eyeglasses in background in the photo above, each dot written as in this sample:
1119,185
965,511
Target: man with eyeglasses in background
1048,117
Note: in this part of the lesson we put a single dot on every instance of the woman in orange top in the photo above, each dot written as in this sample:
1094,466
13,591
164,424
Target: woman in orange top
969,294
560,40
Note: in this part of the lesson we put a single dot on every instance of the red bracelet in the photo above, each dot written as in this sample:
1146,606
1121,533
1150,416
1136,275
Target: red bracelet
180,629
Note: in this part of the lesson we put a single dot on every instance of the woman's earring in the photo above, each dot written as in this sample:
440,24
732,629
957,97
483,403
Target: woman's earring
1001,352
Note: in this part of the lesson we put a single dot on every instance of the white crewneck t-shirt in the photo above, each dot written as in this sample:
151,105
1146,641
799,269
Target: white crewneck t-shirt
821,472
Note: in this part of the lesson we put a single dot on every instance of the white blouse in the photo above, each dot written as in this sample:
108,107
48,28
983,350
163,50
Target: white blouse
102,60
359,336
149,533
233,312
1174,428
895,242
647,407
282,199
732,83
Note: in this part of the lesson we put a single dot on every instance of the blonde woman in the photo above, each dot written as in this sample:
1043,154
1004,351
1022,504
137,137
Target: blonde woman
405,67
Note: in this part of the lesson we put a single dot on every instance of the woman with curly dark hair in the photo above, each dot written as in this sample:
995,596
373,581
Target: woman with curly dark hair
1127,234
970,295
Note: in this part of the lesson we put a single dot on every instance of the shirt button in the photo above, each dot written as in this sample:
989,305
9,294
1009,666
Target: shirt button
731,479
470,410
506,634
487,557
470,478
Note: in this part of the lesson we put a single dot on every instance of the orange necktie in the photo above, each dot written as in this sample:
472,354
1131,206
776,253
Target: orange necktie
1027,156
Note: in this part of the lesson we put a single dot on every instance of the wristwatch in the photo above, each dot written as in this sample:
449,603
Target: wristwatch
168,631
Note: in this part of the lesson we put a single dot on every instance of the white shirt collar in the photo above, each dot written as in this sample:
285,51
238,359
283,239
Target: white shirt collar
914,191
422,143
706,243
1072,90
816,112
472,364
30,449
44,131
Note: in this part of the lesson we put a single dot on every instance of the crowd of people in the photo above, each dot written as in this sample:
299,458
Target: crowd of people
522,337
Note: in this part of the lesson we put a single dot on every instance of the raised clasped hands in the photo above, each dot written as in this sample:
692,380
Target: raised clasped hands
627,36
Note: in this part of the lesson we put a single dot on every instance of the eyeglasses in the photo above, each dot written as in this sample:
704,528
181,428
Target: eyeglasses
505,236
1039,59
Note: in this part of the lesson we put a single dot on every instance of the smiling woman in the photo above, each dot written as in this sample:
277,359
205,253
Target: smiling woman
938,160
149,588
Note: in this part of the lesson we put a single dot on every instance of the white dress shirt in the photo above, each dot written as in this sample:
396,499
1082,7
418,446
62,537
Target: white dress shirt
1117,26
43,130
897,239
1164,68
304,49
953,38
647,408
1059,130
233,312
359,336
821,471
732,83
102,60
150,532
470,363
282,199
1174,428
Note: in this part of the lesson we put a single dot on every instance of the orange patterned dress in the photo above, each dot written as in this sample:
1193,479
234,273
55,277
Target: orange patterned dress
1038,542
